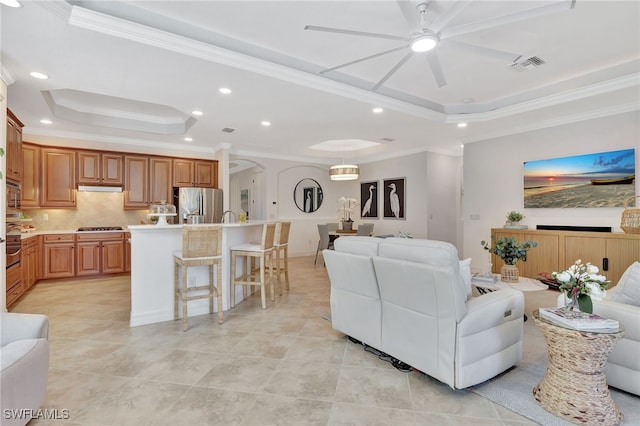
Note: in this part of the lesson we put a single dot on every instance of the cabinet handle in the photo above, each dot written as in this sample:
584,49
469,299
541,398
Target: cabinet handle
605,263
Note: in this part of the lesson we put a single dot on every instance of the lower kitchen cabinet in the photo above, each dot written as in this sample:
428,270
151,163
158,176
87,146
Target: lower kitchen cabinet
100,253
58,256
15,286
30,262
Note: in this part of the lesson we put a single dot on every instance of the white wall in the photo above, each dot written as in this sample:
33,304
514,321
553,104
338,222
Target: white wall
493,176
432,183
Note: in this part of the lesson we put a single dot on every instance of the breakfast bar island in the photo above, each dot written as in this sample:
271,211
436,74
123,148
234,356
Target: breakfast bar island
152,248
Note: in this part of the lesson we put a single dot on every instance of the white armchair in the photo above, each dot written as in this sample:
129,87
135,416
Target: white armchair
406,297
24,357
622,304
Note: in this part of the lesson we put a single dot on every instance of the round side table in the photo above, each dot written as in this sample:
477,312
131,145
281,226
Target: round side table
575,386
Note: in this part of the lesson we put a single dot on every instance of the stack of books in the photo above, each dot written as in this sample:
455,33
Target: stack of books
579,321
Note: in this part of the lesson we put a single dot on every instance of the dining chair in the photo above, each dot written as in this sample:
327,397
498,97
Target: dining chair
365,229
333,226
324,242
201,246
254,276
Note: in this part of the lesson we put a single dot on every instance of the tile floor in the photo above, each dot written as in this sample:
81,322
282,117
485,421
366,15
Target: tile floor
279,366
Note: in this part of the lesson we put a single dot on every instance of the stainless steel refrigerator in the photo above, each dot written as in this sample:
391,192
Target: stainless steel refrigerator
198,205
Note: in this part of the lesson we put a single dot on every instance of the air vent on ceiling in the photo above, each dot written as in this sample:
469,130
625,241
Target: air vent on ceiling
387,139
228,130
527,64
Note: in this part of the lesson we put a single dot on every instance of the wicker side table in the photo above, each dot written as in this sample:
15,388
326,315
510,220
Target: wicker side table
575,386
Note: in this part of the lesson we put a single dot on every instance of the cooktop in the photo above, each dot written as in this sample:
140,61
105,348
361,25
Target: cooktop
100,228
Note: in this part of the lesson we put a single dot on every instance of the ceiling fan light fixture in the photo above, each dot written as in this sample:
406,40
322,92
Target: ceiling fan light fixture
423,42
344,172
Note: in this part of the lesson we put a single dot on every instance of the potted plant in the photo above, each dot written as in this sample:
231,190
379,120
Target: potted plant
510,251
346,208
513,220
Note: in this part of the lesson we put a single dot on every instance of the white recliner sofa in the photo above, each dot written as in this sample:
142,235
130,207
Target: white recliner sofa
406,297
24,357
622,304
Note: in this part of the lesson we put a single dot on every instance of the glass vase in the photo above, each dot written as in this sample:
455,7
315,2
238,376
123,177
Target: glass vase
572,307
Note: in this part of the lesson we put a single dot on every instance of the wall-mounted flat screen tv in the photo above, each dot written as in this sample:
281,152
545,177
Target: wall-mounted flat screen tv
602,179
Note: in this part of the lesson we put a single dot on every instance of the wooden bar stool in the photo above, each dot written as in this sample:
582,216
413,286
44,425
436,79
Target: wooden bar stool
254,276
281,249
201,245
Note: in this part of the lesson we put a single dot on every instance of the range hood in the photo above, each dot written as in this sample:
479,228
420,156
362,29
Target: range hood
96,188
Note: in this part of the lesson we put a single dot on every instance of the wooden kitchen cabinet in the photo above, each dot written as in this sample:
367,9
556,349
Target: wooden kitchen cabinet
14,148
611,252
160,180
136,182
100,253
30,262
15,287
99,168
197,173
58,178
58,256
30,194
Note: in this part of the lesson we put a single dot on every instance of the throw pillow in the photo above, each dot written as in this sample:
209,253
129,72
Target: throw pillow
628,289
465,271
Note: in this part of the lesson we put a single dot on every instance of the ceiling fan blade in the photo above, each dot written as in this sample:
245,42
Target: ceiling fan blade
441,21
395,49
508,19
436,68
356,33
393,70
410,13
500,55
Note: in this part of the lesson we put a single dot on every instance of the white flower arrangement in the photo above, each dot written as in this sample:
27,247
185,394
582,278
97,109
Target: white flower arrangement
346,206
581,282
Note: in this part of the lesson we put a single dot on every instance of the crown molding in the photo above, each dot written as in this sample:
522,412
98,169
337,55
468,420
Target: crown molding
567,119
621,83
6,75
116,27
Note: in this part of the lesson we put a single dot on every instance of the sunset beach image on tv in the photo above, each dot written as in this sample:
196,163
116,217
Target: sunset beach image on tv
603,179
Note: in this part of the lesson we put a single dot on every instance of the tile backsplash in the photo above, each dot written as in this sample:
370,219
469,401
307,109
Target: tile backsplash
93,209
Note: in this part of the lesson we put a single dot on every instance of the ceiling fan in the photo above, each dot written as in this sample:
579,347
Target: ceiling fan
424,38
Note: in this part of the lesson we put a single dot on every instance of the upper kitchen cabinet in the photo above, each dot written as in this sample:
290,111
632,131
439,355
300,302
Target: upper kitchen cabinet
14,148
160,183
58,178
99,168
198,173
30,194
136,182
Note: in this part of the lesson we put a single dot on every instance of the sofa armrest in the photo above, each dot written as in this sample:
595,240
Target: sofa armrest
25,366
16,326
627,315
491,310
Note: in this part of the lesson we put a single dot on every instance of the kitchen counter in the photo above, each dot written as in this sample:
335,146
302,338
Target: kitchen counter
152,248
29,234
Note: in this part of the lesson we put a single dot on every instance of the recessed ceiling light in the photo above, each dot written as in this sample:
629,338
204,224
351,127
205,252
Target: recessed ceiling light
38,75
11,3
461,125
196,112
188,139
377,110
224,90
46,121
265,123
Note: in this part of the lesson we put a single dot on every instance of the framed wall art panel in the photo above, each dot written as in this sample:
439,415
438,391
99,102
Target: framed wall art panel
369,199
394,198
